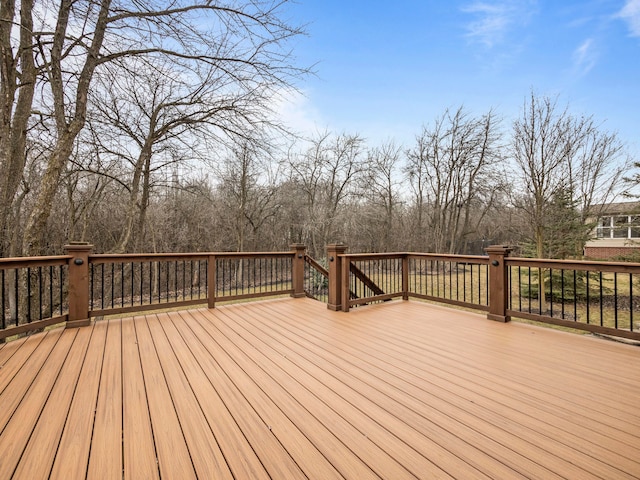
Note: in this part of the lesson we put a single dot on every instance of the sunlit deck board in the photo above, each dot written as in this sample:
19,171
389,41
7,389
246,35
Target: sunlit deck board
24,419
289,389
73,450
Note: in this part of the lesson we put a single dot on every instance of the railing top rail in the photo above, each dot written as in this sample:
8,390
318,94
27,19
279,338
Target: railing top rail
253,254
142,257
24,262
481,259
311,261
373,256
599,266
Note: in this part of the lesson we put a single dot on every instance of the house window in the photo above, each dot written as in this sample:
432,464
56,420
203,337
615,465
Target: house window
619,226
634,229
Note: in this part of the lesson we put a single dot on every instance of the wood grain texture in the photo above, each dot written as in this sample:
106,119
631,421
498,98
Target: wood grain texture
287,388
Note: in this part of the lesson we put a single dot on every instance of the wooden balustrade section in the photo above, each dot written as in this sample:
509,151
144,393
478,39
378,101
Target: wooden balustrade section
343,269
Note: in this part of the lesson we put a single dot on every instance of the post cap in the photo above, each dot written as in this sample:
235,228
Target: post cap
497,249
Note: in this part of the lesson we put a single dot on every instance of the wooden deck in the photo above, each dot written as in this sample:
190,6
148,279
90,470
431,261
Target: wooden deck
288,389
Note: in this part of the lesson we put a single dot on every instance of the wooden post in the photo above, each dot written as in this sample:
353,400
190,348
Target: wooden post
405,277
211,282
78,284
297,273
498,288
335,275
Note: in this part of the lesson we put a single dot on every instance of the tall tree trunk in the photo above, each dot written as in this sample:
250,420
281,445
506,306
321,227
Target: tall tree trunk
67,130
34,234
14,121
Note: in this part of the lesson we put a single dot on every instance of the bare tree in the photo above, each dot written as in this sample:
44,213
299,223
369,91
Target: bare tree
247,200
381,189
239,46
453,174
596,171
326,172
17,88
558,154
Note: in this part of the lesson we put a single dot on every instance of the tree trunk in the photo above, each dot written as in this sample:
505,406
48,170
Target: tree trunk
14,121
34,234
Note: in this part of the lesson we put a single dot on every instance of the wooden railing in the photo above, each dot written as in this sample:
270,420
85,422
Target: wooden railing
129,283
41,291
33,293
600,297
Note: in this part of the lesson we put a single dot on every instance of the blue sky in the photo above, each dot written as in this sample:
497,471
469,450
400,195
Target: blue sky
384,69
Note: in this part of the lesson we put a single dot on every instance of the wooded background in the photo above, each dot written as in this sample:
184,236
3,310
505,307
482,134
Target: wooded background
151,127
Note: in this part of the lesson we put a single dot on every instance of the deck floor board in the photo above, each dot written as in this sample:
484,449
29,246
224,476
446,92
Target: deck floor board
286,388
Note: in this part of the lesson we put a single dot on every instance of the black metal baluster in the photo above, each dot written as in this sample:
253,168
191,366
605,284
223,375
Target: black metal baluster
40,293
486,285
588,299
601,302
224,280
51,290
151,282
509,287
28,295
631,302
16,295
168,277
112,284
191,279
271,274
550,292
3,315
615,298
102,286
61,287
575,295
562,297
479,285
91,285
530,289
175,277
471,284
142,281
122,284
464,283
519,288
541,292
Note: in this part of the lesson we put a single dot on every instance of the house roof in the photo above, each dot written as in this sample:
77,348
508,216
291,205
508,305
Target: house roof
616,208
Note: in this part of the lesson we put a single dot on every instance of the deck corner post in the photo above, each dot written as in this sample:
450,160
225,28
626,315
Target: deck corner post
297,269
498,288
211,281
78,283
334,252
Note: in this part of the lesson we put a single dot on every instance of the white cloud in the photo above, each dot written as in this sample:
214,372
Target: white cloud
631,14
584,57
296,111
493,20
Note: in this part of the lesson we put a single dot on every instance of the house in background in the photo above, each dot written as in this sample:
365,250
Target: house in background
617,232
